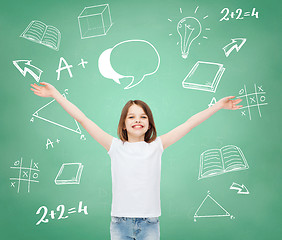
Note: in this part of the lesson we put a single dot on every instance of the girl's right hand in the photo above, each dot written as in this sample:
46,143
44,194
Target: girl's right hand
47,90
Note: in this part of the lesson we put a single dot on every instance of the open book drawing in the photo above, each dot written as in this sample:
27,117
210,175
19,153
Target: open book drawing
204,76
218,161
43,34
69,173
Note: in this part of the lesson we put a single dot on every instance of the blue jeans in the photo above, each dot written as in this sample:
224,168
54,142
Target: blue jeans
123,228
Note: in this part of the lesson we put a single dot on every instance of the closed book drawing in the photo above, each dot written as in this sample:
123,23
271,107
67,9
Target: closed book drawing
69,173
204,76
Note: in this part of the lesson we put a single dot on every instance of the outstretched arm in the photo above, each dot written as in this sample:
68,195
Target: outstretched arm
180,131
47,90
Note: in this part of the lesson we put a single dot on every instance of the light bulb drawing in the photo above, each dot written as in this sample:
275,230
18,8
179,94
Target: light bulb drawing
189,29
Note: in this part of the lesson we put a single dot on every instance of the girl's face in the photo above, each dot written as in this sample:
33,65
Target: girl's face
136,123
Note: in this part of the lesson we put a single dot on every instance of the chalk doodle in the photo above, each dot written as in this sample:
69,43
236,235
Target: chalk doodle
239,14
83,63
24,67
107,70
241,189
211,208
50,143
69,173
60,68
63,65
95,21
24,174
43,34
38,115
208,71
252,100
61,211
236,44
189,29
214,162
213,101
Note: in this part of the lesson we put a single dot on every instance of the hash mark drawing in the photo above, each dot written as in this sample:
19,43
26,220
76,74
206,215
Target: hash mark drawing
215,162
69,173
252,100
209,72
41,33
37,115
95,21
25,174
205,209
24,66
241,188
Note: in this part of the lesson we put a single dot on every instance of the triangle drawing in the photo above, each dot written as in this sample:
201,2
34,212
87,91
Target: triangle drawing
211,208
40,115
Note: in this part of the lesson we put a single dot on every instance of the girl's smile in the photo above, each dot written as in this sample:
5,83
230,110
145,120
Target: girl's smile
137,126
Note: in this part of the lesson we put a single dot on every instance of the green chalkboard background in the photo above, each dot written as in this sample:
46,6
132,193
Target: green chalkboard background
257,215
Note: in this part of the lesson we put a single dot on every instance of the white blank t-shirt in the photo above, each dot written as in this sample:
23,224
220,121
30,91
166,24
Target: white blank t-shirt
136,176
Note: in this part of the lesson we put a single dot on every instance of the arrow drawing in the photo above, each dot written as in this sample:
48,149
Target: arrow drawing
236,43
241,188
24,66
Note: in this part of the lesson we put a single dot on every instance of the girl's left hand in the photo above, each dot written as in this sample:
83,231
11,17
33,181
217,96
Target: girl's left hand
228,103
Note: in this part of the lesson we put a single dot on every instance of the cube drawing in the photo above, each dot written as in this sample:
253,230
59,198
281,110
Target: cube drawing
94,21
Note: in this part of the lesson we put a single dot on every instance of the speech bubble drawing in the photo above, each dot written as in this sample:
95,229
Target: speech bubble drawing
106,69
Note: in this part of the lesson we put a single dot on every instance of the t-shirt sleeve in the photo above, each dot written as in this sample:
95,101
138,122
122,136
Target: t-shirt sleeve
159,144
113,146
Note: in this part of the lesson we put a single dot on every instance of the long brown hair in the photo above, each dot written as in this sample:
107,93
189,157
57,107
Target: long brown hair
151,133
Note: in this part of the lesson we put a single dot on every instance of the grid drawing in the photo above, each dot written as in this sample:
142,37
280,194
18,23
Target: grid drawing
253,100
25,174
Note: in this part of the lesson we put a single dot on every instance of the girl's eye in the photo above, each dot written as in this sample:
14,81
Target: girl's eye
144,117
130,117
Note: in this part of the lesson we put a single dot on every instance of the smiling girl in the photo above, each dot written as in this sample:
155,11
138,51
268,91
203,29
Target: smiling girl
135,161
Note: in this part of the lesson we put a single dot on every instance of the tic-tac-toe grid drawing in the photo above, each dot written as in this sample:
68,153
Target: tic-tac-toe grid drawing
252,100
23,175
